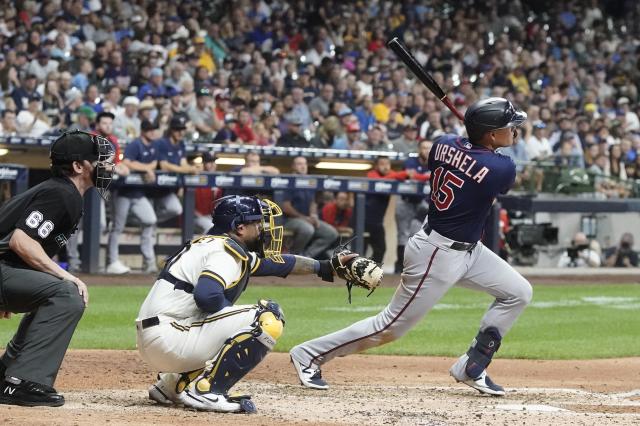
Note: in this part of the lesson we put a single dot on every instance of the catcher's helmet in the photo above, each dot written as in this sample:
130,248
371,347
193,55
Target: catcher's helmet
491,114
233,210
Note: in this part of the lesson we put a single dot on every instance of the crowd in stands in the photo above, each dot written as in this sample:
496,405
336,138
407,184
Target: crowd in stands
318,74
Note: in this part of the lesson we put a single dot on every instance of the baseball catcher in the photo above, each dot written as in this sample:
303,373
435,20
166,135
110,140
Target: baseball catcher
189,327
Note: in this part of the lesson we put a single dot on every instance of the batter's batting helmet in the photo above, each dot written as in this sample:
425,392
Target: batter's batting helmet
491,114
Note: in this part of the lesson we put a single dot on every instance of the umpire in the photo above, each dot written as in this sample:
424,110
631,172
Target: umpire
34,226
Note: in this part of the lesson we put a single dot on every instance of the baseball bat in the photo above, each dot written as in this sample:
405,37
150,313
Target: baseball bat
418,70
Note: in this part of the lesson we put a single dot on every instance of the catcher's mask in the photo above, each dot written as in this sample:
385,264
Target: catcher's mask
233,210
79,146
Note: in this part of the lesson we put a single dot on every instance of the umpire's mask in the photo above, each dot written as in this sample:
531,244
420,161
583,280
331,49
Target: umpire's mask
78,146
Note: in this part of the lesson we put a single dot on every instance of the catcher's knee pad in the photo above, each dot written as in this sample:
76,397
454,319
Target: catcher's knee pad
242,352
485,344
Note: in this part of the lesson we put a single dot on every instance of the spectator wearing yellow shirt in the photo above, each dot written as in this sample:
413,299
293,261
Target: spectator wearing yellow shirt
519,81
382,110
205,58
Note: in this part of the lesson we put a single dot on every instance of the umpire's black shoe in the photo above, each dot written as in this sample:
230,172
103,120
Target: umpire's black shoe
30,394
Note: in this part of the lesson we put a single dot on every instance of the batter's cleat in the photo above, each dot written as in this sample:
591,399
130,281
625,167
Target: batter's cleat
209,401
309,377
14,391
482,384
164,390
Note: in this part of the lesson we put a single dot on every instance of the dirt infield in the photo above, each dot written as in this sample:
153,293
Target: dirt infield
109,387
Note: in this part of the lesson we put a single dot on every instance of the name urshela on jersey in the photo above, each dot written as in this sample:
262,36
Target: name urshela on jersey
461,161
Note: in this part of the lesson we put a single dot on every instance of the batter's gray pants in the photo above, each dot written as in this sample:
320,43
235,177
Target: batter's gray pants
52,309
310,240
142,209
431,268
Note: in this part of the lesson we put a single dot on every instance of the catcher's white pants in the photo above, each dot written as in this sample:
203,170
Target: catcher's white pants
431,268
177,346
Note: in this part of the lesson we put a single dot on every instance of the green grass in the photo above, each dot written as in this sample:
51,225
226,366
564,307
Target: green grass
564,322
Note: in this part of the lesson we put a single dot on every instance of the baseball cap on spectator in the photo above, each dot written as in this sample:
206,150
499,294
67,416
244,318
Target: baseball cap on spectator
208,157
352,127
87,111
156,72
147,125
131,100
72,95
198,40
31,75
35,97
623,100
178,122
294,118
105,114
411,127
538,124
173,91
344,111
371,70
203,91
221,95
44,53
590,107
146,104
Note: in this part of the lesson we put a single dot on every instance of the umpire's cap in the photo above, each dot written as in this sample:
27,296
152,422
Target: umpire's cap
491,114
75,146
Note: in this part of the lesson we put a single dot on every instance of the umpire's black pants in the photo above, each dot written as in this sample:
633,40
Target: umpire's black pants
52,309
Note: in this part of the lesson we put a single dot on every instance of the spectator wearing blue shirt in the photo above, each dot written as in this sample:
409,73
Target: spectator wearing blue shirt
140,156
155,87
26,91
311,236
364,113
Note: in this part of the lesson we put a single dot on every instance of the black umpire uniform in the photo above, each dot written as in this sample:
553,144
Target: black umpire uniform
34,226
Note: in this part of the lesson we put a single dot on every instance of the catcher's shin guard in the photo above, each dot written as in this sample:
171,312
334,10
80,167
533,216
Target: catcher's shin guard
242,352
484,345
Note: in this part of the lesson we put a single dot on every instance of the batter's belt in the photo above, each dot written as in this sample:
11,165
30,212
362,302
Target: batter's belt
453,245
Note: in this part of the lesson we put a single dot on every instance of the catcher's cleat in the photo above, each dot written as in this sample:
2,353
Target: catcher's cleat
164,390
309,377
209,401
482,383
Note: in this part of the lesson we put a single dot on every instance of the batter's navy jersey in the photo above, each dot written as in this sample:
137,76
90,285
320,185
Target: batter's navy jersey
465,180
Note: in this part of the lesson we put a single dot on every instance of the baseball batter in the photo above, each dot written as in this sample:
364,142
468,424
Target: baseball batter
467,175
188,326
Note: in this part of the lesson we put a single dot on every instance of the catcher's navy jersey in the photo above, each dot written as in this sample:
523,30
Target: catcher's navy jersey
465,180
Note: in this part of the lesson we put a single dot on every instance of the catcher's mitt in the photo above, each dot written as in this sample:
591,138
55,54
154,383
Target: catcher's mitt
359,271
